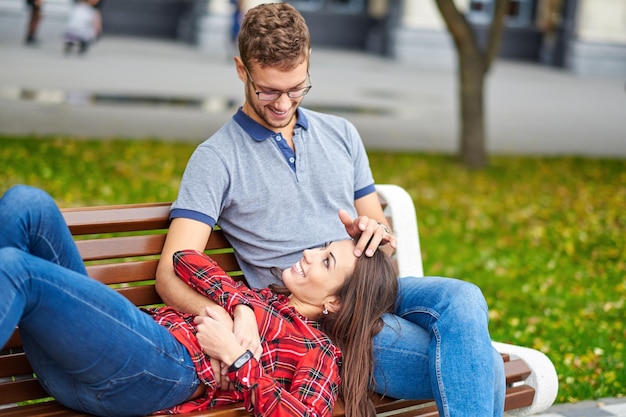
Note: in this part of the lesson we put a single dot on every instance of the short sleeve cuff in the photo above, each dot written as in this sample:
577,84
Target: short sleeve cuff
191,214
364,191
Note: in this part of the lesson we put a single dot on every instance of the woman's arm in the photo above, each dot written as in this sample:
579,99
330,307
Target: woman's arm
204,275
314,386
196,270
313,391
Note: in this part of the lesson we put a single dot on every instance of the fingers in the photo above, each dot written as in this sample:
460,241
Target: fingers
351,225
221,379
345,217
370,233
373,235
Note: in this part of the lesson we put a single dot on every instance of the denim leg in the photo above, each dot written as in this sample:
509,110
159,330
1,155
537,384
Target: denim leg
32,222
93,350
438,345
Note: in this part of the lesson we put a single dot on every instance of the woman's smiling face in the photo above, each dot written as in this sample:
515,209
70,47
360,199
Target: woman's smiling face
316,277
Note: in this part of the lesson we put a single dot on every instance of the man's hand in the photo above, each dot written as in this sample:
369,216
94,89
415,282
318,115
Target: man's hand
366,230
217,312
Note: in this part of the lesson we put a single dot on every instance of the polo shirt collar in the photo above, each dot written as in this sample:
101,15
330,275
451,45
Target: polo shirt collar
261,133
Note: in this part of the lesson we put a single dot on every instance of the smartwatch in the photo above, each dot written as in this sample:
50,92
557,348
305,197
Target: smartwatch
241,361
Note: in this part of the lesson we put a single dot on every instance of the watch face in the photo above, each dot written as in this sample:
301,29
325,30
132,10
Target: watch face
241,361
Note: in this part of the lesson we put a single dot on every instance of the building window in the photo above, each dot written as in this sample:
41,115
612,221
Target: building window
519,13
347,6
308,5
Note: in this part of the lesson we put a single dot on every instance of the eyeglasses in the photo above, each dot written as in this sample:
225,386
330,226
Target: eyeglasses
275,95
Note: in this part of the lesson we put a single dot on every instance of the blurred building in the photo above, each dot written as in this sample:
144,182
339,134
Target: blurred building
583,36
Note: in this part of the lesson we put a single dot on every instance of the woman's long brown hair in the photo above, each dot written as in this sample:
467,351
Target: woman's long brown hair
364,297
368,294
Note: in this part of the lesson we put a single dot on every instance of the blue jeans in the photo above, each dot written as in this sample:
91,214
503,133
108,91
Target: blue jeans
91,348
437,345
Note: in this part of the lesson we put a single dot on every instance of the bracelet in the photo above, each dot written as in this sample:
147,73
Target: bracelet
385,228
240,361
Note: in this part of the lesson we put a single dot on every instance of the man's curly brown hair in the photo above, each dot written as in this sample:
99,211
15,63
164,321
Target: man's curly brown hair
274,35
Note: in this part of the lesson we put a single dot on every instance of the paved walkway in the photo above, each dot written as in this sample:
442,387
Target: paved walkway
608,407
139,88
142,88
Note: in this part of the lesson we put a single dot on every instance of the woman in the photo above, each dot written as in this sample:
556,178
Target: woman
96,352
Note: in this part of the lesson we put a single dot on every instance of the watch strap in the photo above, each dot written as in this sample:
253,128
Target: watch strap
240,361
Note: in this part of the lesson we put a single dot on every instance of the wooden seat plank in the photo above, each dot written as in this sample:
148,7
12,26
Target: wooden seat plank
21,390
12,364
515,371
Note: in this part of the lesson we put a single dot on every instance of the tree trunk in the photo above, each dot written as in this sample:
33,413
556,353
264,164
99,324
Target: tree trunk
473,67
473,151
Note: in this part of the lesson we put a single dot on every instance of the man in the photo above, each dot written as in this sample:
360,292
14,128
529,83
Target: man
279,179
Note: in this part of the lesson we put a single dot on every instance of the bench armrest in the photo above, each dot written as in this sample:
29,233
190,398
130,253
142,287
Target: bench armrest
543,377
401,209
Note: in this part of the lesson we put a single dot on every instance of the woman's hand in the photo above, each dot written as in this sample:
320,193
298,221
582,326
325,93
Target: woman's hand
220,370
217,340
246,330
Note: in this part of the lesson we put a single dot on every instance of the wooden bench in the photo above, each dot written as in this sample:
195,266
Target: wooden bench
120,246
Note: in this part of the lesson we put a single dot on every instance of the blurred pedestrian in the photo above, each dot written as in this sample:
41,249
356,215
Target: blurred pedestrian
83,27
240,9
33,21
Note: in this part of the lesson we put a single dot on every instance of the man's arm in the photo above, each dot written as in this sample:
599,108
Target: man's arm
183,234
367,227
191,234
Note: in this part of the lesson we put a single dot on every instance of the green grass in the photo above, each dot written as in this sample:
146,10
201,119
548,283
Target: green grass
545,238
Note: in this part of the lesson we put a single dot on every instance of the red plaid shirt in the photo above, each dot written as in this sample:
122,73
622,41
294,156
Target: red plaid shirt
298,373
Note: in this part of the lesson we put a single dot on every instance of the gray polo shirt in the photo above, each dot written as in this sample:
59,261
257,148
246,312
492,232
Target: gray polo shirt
273,203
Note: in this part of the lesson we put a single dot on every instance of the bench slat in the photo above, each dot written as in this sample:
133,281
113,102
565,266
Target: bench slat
15,341
126,272
135,271
518,397
422,410
227,411
120,247
515,371
141,296
22,390
120,218
47,409
13,364
388,405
